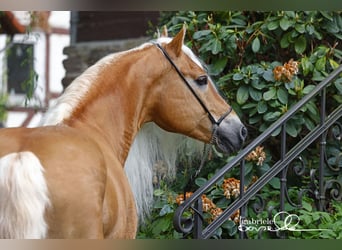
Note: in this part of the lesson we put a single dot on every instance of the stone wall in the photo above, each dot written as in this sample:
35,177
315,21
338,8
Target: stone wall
82,55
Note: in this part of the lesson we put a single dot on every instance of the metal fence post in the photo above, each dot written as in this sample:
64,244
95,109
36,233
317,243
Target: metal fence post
198,217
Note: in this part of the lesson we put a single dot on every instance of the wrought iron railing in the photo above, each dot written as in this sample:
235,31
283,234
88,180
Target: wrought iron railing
195,224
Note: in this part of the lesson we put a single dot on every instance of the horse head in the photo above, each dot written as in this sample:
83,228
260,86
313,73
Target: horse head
188,101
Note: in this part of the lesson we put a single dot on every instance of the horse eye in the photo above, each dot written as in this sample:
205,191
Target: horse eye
202,80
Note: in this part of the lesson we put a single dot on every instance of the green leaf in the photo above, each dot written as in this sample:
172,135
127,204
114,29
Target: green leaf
310,29
222,202
276,132
333,63
271,116
326,15
309,124
297,234
218,233
275,183
291,14
270,94
285,23
316,216
329,234
248,105
238,76
256,45
338,36
292,36
307,66
216,193
338,85
263,169
218,66
262,107
268,75
166,209
307,206
291,129
248,168
306,218
158,192
216,47
300,45
201,33
311,106
300,28
200,181
318,35
252,112
230,226
317,76
338,98
242,94
273,25
259,85
289,86
332,27
307,89
282,96
161,226
320,64
284,41
255,94
254,119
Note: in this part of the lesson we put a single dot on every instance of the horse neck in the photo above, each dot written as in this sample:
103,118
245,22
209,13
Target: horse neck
112,109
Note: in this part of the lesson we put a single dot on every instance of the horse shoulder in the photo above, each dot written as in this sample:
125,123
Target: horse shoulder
119,210
102,175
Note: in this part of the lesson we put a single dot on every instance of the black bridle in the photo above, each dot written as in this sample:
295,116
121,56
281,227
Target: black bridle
215,122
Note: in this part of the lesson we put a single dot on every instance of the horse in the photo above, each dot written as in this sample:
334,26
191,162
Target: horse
78,174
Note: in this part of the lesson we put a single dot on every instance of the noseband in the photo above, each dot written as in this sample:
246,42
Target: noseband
215,122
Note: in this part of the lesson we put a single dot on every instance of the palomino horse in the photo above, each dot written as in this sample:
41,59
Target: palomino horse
66,179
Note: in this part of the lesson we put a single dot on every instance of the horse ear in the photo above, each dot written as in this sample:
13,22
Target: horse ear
164,32
177,42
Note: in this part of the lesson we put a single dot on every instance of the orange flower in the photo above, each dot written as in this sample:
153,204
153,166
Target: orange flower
236,217
278,72
231,188
286,72
258,155
292,67
180,197
215,213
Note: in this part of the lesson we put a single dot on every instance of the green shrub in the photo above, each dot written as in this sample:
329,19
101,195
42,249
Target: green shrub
263,63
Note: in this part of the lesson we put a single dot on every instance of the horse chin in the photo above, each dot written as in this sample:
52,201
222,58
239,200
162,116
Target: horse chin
229,136
224,147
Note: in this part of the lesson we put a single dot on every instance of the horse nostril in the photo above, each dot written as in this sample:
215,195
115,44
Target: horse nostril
243,133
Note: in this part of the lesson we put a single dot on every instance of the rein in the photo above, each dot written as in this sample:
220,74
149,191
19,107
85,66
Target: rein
211,117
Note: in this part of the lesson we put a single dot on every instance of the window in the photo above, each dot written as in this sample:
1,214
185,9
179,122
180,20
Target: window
19,67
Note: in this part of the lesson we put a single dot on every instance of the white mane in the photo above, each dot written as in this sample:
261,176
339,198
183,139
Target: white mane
151,145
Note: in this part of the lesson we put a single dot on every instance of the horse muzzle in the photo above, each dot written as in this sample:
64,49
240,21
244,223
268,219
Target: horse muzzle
230,135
